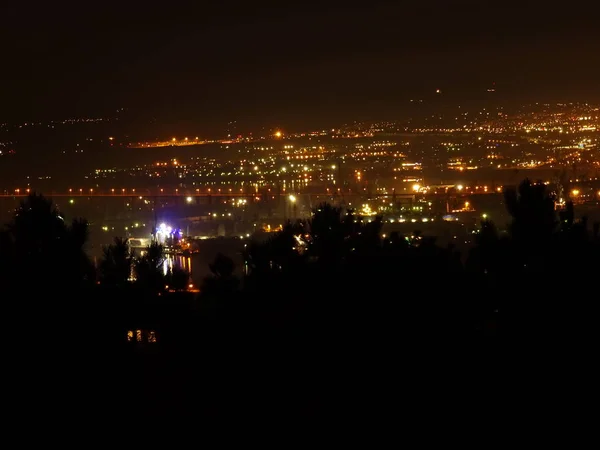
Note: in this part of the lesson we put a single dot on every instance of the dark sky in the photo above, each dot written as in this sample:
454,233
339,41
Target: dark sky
278,62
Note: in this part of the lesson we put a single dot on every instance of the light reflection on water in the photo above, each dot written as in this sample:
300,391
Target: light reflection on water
184,262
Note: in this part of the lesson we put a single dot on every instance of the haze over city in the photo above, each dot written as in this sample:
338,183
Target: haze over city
271,64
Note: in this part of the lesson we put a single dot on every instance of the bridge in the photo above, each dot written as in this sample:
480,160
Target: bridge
135,192
230,193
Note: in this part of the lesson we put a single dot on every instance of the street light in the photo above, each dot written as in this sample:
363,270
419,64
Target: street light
292,199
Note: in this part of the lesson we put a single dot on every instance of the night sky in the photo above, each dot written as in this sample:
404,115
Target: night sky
270,62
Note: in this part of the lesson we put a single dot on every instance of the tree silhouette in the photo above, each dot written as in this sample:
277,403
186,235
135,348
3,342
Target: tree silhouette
532,229
532,211
177,278
42,246
116,264
222,287
329,232
487,255
222,266
277,254
149,268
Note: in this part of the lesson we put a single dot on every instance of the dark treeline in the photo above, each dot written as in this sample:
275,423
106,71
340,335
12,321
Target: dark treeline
331,319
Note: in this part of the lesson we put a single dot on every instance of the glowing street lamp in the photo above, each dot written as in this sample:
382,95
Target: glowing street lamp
292,199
